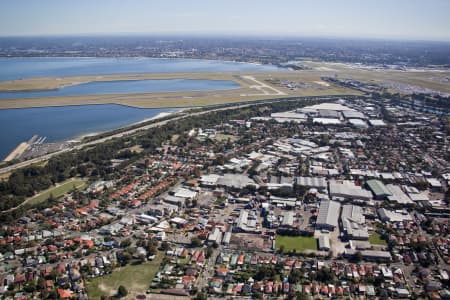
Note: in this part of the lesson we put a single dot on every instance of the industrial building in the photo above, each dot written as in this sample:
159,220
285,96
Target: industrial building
348,190
370,254
376,122
353,114
314,182
358,123
288,219
353,222
393,216
327,121
328,215
378,189
397,195
324,243
328,113
247,222
235,181
215,236
226,238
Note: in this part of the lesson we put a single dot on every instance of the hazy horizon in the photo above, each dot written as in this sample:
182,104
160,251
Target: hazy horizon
411,20
224,35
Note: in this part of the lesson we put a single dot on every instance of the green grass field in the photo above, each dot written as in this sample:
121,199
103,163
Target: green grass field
375,239
297,243
136,278
58,191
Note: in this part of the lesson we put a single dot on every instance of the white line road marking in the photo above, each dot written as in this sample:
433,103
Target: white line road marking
263,87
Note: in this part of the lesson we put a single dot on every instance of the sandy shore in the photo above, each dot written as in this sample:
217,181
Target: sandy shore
91,134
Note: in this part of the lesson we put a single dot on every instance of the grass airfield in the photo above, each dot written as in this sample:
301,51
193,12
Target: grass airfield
253,86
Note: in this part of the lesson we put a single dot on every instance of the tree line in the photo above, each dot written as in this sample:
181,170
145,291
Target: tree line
95,162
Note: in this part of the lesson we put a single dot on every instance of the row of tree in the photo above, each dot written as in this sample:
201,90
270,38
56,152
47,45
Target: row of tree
95,162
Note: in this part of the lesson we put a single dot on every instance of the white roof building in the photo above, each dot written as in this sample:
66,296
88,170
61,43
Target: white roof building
317,182
327,121
353,222
434,183
358,123
348,190
215,236
324,242
209,180
398,195
237,181
393,216
288,218
376,122
328,215
185,193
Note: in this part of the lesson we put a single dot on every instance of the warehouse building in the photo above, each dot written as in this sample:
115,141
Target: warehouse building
247,222
288,219
235,181
353,114
393,216
353,222
376,122
358,123
328,113
370,254
397,195
348,190
328,215
226,238
378,189
324,243
314,182
215,236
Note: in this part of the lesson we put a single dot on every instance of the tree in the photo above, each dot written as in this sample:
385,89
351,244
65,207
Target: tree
196,242
122,291
51,198
201,296
357,257
209,252
295,276
165,246
220,160
125,243
30,288
302,296
197,172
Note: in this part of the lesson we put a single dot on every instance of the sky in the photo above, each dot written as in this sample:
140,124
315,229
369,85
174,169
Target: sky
392,19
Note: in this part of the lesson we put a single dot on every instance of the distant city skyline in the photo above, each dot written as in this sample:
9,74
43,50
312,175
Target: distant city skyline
382,19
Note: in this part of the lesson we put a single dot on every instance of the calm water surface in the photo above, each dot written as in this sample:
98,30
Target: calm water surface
26,67
63,123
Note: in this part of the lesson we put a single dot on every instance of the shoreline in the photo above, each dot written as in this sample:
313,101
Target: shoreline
79,138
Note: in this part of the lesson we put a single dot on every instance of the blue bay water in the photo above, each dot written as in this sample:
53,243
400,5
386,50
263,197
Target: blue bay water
64,123
26,67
